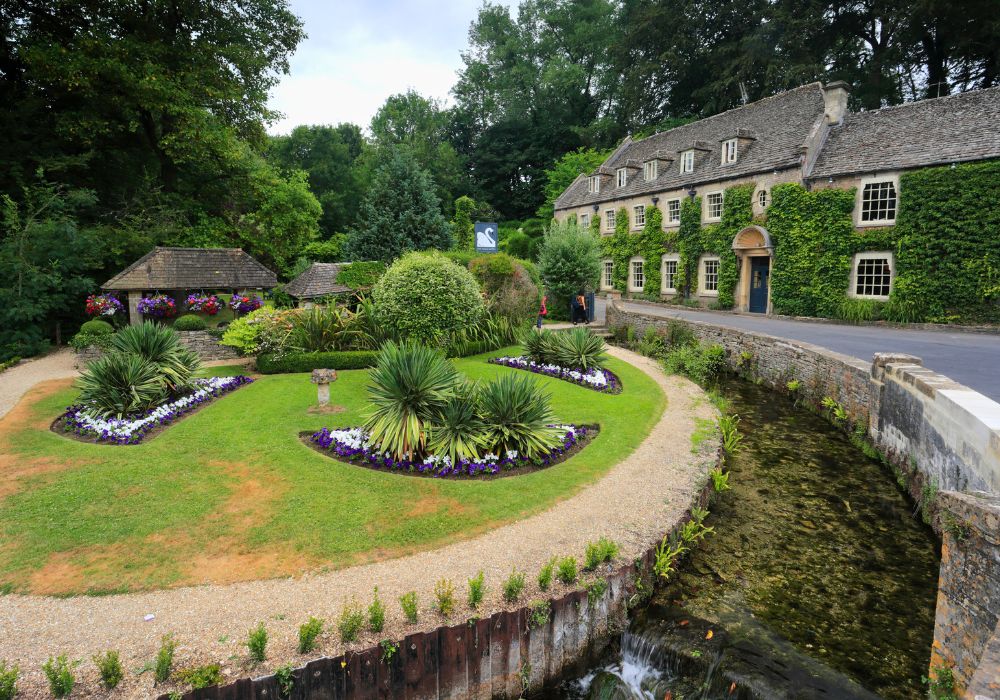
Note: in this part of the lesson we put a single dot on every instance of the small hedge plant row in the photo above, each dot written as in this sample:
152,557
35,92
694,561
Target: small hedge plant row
346,359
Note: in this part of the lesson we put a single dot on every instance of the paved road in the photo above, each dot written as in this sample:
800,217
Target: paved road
972,359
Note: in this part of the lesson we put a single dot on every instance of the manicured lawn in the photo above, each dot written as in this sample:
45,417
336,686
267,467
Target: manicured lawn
230,493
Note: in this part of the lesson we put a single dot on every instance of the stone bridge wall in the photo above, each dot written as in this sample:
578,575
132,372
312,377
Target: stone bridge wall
942,437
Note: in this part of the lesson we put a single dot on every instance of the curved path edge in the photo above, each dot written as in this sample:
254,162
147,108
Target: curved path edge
645,495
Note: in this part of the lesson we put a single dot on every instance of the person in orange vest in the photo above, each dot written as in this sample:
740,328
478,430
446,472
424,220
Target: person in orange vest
542,312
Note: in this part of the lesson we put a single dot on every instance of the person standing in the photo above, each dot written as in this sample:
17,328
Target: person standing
580,309
542,311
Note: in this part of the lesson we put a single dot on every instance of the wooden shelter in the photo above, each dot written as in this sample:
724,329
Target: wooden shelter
178,271
318,281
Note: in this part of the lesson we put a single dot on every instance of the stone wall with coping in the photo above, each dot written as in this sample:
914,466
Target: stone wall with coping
942,439
203,343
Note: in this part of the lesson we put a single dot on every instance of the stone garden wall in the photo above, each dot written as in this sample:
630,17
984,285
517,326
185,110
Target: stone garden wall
942,438
203,343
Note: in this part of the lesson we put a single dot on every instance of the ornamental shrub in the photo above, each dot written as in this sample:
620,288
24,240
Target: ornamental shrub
59,672
109,666
257,643
164,659
361,275
261,331
352,620
8,681
700,363
513,587
161,346
376,613
604,550
97,327
308,361
518,416
308,633
477,589
190,322
408,602
201,676
510,291
569,261
425,297
580,349
121,384
566,570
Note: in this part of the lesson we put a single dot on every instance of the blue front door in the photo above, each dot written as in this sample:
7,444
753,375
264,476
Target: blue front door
760,269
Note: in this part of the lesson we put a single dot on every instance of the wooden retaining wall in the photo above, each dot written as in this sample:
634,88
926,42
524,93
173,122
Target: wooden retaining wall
502,656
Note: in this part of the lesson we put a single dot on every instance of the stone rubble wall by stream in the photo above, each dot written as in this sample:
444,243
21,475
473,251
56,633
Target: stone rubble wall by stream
944,441
203,343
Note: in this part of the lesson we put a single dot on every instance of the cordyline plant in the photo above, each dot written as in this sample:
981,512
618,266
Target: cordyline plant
410,386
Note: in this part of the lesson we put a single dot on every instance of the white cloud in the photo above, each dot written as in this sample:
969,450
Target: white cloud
357,55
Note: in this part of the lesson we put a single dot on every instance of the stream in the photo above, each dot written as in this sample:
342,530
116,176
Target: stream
819,580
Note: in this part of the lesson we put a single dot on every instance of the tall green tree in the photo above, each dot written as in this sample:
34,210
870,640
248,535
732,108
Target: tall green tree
564,171
420,126
400,213
330,156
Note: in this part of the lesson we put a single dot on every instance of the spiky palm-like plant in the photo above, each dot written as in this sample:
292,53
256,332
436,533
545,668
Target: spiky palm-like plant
458,430
372,331
580,349
517,416
410,386
322,329
160,346
121,384
540,346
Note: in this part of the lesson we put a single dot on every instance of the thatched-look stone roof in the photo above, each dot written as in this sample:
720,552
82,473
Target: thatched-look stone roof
194,268
318,280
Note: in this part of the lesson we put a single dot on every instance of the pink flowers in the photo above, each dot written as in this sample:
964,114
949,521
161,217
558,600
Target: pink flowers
206,304
103,305
245,304
158,306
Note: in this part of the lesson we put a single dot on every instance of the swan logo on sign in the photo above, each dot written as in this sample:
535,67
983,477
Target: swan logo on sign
487,236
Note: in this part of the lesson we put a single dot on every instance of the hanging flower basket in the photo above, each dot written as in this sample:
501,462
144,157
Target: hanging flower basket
103,305
159,306
245,304
206,304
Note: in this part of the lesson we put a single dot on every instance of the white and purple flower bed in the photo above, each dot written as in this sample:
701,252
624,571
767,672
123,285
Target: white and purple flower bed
596,379
130,431
351,445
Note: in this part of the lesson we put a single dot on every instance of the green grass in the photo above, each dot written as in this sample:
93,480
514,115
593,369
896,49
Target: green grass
232,490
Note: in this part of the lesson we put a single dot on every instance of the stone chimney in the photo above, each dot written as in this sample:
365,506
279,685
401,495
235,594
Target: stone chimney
835,101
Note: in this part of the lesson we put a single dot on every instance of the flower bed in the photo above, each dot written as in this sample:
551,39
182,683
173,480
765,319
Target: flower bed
131,431
596,379
351,445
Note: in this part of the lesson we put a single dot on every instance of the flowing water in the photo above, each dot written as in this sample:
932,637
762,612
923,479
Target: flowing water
818,582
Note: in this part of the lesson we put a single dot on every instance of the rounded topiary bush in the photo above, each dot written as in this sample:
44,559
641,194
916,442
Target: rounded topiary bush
427,297
190,322
97,327
510,291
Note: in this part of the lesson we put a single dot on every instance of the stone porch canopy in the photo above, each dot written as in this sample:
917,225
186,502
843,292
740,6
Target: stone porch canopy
190,269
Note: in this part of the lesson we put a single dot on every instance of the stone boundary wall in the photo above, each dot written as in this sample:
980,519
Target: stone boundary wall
501,656
941,438
203,343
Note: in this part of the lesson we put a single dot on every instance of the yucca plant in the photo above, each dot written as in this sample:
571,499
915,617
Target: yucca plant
410,386
540,346
161,346
458,430
517,416
323,329
121,384
580,349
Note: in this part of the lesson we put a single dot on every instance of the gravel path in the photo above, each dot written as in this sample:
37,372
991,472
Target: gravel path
633,504
17,380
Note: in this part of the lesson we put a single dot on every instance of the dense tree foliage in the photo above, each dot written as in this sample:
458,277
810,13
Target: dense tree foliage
401,213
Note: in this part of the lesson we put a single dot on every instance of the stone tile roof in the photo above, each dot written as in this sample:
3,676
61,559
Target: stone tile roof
193,268
775,128
958,127
318,280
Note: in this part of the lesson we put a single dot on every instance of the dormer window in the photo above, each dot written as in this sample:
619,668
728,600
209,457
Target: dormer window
729,151
649,170
594,184
622,177
687,161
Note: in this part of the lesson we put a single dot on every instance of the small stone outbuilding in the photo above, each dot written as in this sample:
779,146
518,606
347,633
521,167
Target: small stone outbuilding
178,271
318,282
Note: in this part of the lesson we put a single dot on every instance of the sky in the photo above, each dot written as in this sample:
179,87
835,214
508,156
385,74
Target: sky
359,53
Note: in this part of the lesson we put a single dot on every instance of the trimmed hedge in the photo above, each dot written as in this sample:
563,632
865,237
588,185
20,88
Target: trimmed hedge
190,322
308,361
97,326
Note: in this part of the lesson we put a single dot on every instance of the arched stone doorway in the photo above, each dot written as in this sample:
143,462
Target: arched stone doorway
754,253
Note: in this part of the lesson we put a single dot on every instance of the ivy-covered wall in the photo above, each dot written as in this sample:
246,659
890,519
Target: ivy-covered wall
945,241
690,240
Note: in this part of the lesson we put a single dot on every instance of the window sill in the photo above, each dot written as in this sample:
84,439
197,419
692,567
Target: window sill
867,298
709,293
874,224
711,221
667,292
